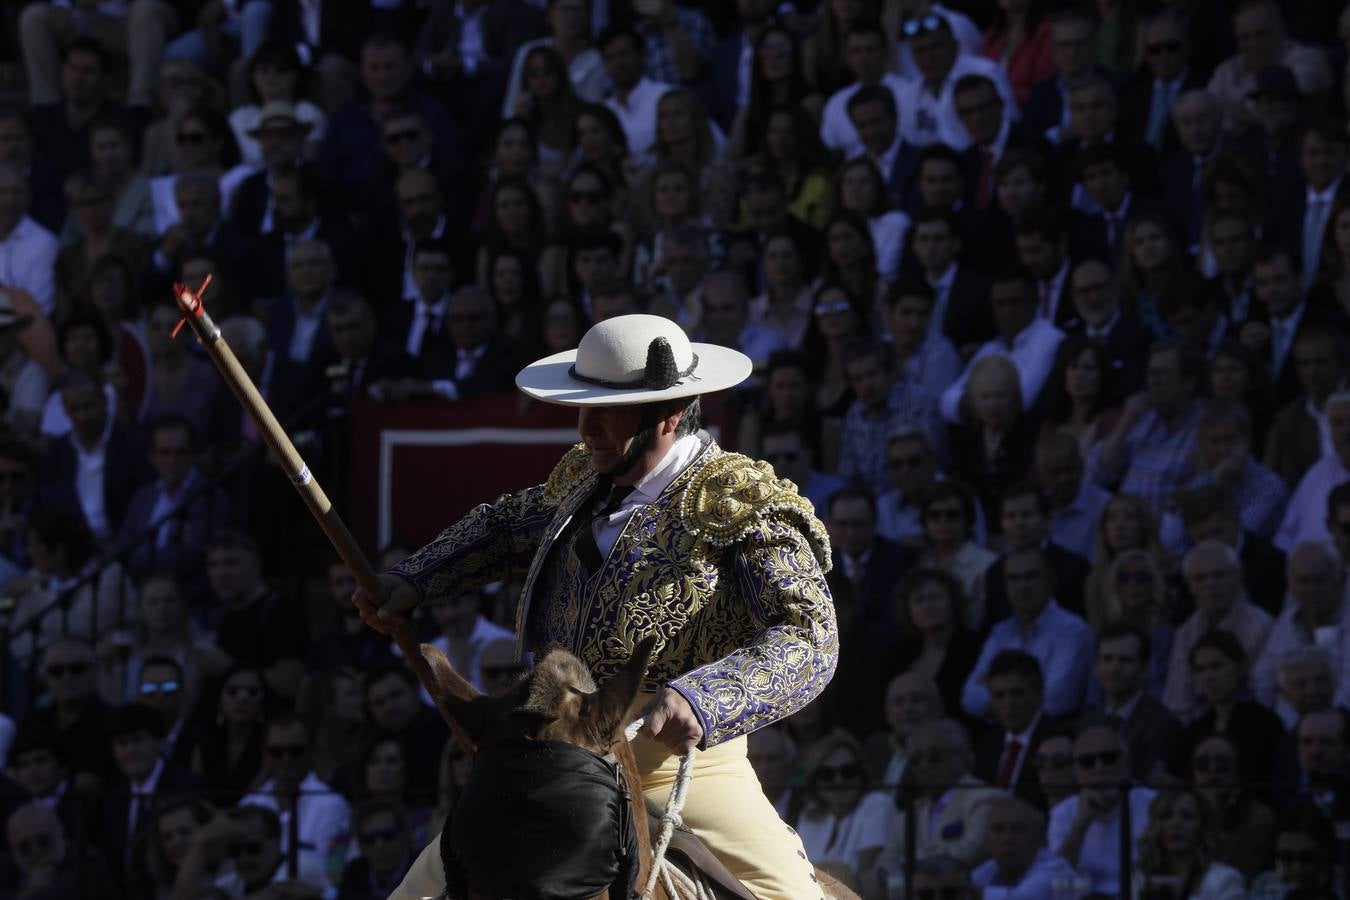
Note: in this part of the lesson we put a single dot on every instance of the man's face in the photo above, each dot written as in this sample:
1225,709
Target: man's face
1019,192
1013,308
293,209
1321,160
385,71
383,843
934,53
865,56
286,751
940,183
594,265
623,62
981,112
1060,475
1258,37
1028,585
852,525
15,143
393,705
352,333
457,616
1307,686
910,319
1092,112
419,202
87,409
161,688
1277,286
569,18
935,246
607,432
1233,246
1218,527
470,317
725,313
68,670
936,760
1120,667
788,457
1214,582
942,887
1094,293
1318,366
135,754
1302,861
911,466
35,839
908,702
1197,125
1099,759
1071,48
233,572
1219,441
1041,256
38,771
171,455
1105,183
1315,584
1014,701
685,265
1321,744
255,855
280,144
1165,50
875,126
1168,391
1014,839
766,209
1023,522
81,78
870,381
407,140
432,273
769,757
198,208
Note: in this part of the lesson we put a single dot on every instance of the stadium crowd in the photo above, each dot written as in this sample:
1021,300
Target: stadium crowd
1048,304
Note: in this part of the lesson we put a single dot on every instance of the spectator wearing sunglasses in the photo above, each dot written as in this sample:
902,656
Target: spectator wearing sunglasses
1244,827
144,779
865,56
1085,828
1052,761
292,789
787,449
76,713
842,821
239,853
1148,98
385,844
1305,848
161,685
48,870
1020,867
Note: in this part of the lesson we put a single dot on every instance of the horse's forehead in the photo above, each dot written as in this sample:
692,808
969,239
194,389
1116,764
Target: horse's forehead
565,670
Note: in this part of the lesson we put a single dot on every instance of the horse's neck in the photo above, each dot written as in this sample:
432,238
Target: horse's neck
623,754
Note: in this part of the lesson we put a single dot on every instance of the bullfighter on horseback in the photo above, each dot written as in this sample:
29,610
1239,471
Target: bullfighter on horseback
649,528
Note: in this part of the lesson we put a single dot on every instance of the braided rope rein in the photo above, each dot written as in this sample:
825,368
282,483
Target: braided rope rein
670,820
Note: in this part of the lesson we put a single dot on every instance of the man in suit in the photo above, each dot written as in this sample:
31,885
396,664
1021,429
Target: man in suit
1195,120
1193,310
419,325
1232,239
960,295
1211,513
178,505
1298,437
363,361
873,113
1271,142
1277,278
1104,172
1043,250
1003,751
296,214
1150,730
1025,517
200,231
295,329
39,764
478,359
1073,42
281,138
161,685
1298,220
872,564
1096,297
1094,121
980,108
102,460
1151,95
866,55
144,778
389,250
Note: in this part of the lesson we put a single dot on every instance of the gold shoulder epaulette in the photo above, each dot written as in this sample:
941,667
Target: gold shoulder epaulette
570,469
733,494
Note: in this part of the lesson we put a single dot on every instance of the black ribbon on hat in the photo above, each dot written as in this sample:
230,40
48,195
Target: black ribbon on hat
660,373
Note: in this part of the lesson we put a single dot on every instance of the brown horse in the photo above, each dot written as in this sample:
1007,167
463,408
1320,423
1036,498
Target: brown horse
557,703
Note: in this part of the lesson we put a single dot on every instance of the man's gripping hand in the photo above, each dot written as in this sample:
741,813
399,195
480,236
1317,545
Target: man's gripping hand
399,599
671,721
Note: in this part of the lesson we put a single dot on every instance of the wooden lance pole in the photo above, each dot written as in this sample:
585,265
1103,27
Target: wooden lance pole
196,317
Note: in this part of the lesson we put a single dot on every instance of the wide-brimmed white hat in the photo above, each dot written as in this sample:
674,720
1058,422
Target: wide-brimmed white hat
633,359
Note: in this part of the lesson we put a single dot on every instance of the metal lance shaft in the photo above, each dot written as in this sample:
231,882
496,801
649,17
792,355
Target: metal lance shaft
274,435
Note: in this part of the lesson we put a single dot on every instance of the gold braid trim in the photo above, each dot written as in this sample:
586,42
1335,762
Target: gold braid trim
574,466
728,499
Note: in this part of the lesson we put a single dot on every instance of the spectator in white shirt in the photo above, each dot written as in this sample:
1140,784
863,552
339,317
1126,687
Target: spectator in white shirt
27,250
635,95
1307,681
773,755
1305,518
927,105
865,55
1024,339
465,634
1262,42
726,319
1085,828
1020,867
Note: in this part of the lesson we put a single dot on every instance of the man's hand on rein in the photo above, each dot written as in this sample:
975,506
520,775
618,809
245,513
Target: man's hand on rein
671,721
399,599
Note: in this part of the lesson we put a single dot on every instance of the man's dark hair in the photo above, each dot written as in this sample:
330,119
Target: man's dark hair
89,46
31,737
1116,630
1019,663
928,215
171,421
765,183
1016,275
1224,642
379,673
967,83
133,718
266,815
613,32
1044,222
1027,489
1268,253
910,286
231,539
782,429
432,245
1329,128
164,661
1021,157
1102,154
597,238
853,492
1198,504
873,93
866,27
285,718
939,491
942,153
375,806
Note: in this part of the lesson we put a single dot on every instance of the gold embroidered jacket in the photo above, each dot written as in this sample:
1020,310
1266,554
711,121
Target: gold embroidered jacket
727,568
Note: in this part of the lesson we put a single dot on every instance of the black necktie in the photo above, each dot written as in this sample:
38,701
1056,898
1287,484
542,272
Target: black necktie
586,548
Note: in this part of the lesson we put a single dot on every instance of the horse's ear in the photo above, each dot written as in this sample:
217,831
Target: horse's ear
607,710
455,695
